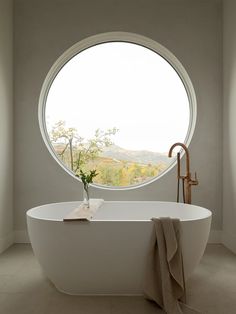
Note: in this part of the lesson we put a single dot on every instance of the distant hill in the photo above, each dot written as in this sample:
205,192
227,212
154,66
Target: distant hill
117,153
139,156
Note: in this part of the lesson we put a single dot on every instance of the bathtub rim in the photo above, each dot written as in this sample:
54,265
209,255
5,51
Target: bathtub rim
205,213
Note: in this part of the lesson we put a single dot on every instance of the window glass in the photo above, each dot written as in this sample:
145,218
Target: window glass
117,107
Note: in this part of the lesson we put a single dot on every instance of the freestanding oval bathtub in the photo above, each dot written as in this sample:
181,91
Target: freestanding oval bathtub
107,255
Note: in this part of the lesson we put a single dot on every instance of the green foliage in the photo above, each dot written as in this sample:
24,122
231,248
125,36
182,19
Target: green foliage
74,150
87,178
122,173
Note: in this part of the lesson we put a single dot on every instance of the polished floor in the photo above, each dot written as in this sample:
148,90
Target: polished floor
25,290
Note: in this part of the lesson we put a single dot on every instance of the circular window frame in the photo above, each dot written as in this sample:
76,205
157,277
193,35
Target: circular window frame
120,37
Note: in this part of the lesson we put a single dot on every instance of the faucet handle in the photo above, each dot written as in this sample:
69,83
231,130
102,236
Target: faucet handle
195,181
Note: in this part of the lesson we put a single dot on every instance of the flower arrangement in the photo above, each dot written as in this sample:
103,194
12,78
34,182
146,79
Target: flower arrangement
86,179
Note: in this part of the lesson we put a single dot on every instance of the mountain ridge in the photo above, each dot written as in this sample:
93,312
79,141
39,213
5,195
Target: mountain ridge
139,156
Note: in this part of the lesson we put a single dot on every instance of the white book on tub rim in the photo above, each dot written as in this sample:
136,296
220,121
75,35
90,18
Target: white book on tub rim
83,212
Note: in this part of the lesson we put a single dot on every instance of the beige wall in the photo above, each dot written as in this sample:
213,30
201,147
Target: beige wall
191,29
229,165
6,125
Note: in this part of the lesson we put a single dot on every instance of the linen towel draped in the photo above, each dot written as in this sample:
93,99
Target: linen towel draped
164,277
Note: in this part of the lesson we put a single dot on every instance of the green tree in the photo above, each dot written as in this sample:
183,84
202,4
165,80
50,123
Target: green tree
91,149
68,136
81,151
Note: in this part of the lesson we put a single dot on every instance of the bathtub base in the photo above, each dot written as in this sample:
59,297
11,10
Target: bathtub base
73,293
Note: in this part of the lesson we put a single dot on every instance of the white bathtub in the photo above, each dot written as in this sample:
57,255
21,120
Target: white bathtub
107,255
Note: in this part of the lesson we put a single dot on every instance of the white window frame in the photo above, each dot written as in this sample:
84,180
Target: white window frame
121,37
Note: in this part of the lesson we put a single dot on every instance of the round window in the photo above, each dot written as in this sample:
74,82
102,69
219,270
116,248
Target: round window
116,102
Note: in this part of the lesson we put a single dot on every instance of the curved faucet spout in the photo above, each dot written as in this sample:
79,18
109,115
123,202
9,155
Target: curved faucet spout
187,155
185,179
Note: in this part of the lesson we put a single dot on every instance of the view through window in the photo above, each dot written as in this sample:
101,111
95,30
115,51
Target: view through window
117,107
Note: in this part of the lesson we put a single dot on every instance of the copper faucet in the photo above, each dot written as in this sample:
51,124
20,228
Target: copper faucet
186,178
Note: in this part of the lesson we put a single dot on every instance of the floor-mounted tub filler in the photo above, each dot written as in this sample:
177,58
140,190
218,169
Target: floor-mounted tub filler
106,256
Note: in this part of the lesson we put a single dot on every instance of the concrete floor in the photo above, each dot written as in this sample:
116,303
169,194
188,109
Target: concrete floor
25,290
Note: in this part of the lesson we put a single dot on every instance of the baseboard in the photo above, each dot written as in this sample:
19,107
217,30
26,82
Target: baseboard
229,240
6,241
21,236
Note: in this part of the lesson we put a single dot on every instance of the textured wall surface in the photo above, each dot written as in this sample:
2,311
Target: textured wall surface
229,165
190,29
6,124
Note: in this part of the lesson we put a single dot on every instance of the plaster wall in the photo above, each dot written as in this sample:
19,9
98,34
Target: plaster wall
6,124
190,29
229,140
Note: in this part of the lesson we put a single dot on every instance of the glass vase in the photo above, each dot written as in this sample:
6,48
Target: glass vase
86,196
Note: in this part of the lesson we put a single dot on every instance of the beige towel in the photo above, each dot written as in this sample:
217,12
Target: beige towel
83,212
164,277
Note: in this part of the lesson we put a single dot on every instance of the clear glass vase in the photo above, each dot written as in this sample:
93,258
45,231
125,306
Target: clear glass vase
86,196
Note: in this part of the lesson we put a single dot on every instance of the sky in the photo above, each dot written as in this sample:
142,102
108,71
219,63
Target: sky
122,85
